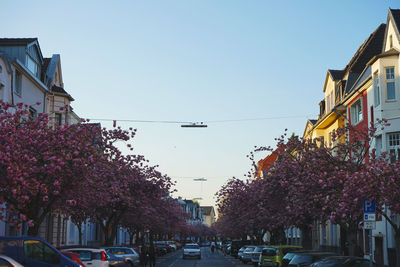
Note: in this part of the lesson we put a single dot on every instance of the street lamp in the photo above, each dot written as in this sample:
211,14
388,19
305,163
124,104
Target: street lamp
194,125
201,180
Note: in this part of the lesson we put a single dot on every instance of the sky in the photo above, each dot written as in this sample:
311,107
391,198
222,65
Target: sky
198,61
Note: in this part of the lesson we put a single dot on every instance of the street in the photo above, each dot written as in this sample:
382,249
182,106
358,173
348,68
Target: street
208,259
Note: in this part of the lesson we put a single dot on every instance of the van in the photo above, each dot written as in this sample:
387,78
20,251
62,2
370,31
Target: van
33,252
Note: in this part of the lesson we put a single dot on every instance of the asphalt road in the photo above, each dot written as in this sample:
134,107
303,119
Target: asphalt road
208,259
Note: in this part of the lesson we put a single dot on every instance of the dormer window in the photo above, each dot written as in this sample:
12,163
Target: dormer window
32,65
390,41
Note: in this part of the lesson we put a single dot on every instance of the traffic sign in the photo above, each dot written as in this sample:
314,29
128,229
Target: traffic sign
369,217
369,225
369,206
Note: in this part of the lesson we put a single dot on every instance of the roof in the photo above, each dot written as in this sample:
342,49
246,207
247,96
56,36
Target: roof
371,47
313,121
396,17
267,162
17,41
337,74
206,210
390,52
46,62
60,90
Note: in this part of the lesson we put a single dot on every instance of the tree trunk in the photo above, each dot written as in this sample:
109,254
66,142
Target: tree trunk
397,239
79,225
306,237
34,230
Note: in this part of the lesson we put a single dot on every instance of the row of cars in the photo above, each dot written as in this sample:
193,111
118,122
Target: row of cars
295,256
36,252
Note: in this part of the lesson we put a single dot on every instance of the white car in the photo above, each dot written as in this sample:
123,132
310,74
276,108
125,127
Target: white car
93,257
7,261
191,251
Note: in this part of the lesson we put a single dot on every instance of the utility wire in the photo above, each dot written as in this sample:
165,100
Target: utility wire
211,121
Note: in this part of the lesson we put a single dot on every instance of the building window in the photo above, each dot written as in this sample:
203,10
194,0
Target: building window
356,112
377,90
32,65
393,146
58,118
18,83
390,84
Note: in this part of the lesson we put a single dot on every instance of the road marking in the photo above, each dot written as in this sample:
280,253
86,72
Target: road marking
174,262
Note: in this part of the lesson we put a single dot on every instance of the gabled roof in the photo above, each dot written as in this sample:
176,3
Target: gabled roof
337,75
46,62
390,52
60,90
17,41
51,68
206,210
396,17
371,47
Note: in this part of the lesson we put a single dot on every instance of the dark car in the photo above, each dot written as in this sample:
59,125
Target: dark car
236,245
306,258
33,252
343,261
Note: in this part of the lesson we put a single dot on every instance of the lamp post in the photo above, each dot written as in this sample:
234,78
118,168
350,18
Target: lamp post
201,180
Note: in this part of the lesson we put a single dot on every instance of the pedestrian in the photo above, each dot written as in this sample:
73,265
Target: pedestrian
143,256
152,256
212,246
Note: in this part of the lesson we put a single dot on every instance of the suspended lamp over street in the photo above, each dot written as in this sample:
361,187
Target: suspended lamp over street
194,125
200,179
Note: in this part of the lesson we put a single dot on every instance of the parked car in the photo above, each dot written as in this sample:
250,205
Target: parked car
33,252
274,255
255,256
8,262
307,258
162,248
236,245
240,252
73,256
246,257
343,261
126,253
191,251
172,244
96,257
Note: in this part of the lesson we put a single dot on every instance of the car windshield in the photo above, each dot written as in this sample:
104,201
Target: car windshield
268,252
249,249
192,246
242,249
297,259
289,256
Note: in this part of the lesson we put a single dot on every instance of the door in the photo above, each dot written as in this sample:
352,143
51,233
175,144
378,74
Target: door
378,253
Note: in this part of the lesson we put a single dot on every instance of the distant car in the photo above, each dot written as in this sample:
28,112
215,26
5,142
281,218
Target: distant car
343,261
33,252
205,244
246,257
162,248
126,253
73,256
8,262
172,244
191,251
307,258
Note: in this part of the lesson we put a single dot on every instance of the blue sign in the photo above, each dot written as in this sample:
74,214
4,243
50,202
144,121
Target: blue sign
369,206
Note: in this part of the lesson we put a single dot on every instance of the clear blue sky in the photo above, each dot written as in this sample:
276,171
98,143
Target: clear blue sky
198,61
